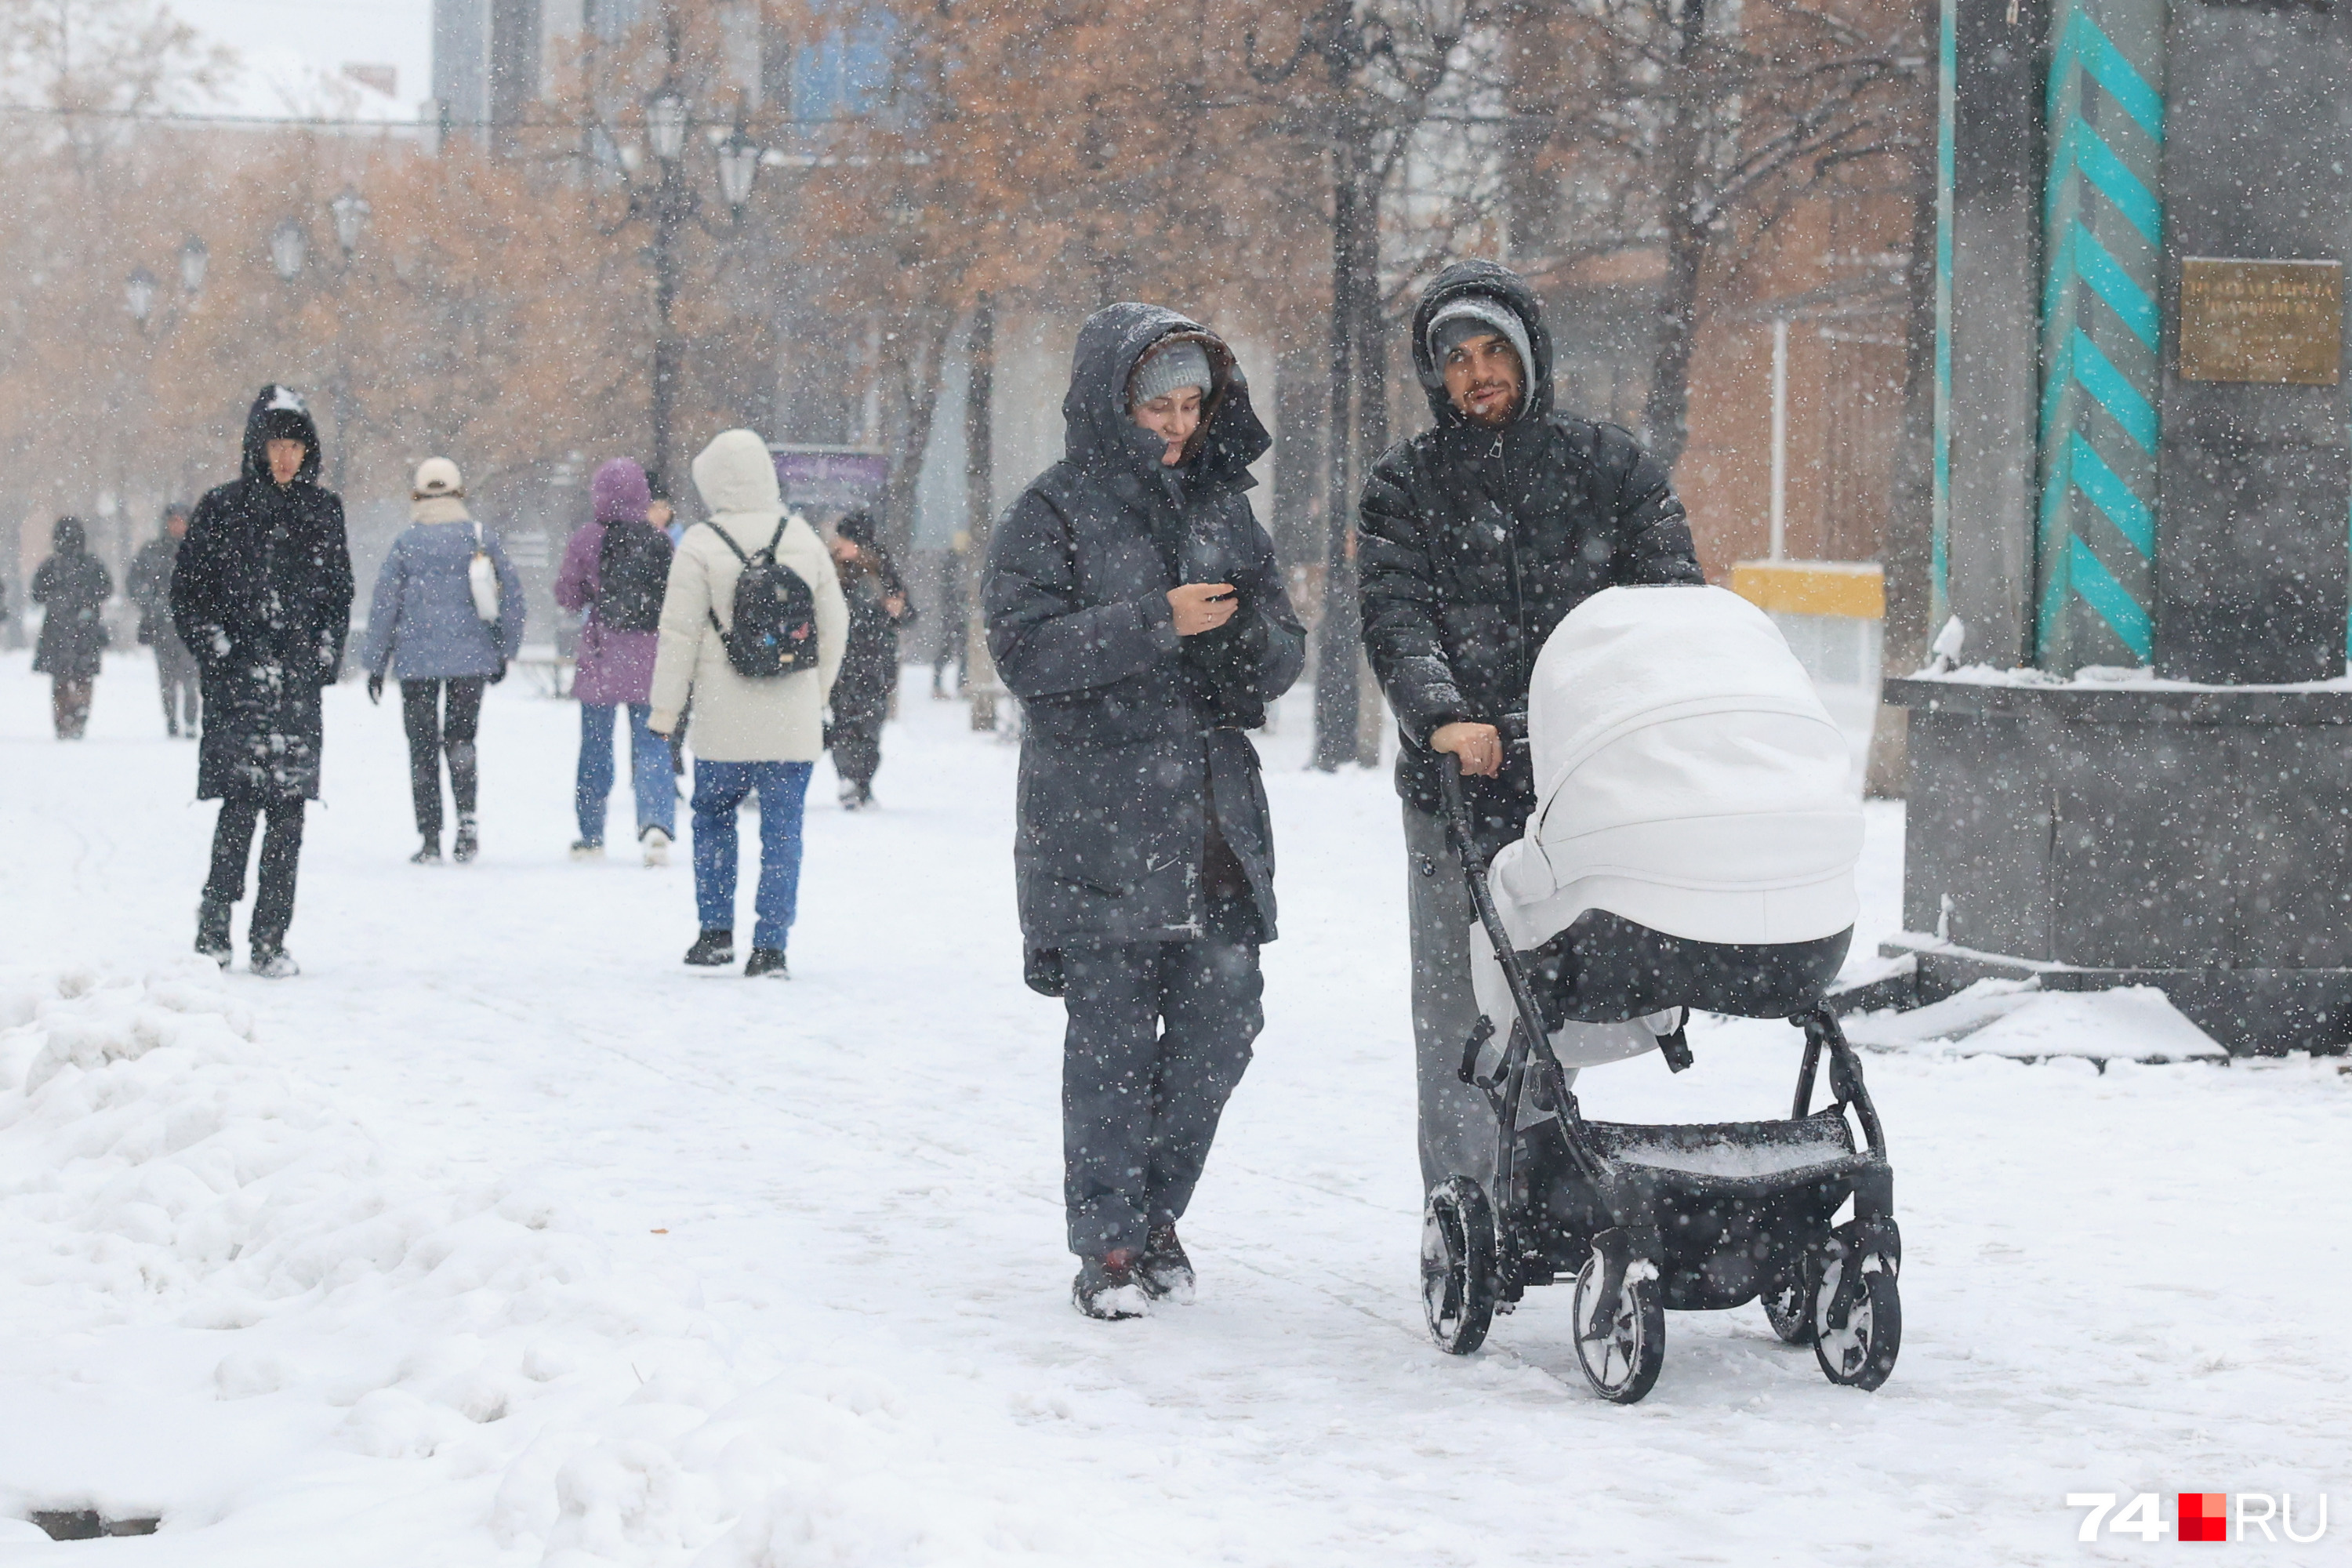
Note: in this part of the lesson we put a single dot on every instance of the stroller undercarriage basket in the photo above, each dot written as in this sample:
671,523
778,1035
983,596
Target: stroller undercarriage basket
1645,1219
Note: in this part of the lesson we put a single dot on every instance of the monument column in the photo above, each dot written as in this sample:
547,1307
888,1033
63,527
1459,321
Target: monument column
2257,477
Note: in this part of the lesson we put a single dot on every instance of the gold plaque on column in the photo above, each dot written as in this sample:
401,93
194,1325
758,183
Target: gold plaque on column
2276,322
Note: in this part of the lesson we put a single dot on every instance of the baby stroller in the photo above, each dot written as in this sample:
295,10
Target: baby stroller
1693,846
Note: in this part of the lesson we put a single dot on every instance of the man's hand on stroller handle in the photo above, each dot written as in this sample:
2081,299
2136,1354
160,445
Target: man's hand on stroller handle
1479,746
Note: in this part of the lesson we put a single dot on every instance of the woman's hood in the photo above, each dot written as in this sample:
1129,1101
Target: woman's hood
736,473
279,413
1097,427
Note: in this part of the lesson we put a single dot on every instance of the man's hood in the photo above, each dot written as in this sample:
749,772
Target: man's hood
736,473
1498,283
1098,428
279,413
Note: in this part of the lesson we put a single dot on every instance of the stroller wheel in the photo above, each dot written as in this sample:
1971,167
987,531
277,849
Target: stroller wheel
1623,1361
1857,1313
1457,1265
1789,1306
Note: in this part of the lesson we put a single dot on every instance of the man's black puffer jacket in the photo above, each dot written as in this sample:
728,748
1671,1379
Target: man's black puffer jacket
1475,541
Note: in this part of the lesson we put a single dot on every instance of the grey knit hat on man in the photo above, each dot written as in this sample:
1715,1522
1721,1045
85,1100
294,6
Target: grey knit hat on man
1478,316
1165,369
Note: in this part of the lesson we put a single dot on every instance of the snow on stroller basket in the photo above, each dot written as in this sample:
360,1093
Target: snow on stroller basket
1693,845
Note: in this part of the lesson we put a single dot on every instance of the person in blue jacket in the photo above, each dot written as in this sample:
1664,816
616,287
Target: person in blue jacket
426,626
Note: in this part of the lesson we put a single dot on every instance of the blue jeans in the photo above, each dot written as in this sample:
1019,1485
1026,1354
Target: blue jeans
718,790
648,771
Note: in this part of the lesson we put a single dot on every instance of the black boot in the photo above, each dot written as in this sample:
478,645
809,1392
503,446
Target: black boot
430,855
212,931
1106,1289
712,950
768,961
468,844
1163,1271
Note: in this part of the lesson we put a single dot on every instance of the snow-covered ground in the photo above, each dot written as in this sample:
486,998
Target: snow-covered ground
497,1237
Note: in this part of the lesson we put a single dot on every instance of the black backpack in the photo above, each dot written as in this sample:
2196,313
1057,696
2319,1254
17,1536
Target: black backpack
632,575
775,613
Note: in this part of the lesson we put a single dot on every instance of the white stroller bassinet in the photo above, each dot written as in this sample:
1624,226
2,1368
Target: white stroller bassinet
1695,828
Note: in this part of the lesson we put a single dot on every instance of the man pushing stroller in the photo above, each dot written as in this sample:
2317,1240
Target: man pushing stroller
1478,538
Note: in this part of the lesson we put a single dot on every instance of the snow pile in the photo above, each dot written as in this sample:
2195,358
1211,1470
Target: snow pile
2018,1018
159,1175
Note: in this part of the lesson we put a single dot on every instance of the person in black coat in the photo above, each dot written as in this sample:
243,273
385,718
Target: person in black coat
1135,607
1477,537
73,586
148,585
879,609
262,596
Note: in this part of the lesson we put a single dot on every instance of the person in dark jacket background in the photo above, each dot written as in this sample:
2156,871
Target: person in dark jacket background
879,608
73,586
424,627
1135,607
149,586
1477,537
262,596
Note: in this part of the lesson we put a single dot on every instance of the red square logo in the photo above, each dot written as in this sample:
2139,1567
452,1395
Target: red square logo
2204,1516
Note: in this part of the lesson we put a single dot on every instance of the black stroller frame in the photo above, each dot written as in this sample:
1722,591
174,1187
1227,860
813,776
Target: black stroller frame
1647,1219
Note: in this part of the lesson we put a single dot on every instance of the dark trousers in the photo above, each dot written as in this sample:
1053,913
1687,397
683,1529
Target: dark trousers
433,729
175,672
1159,1032
281,853
857,742
70,707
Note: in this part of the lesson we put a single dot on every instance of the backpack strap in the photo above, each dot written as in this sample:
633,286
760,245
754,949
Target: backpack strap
782,523
727,540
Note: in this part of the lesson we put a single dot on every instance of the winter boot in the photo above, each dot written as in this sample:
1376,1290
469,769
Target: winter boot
275,964
1163,1271
657,846
850,797
430,855
1106,1288
713,949
468,844
768,961
583,850
212,931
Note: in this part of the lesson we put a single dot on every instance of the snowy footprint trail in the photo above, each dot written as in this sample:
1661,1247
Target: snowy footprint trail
500,1239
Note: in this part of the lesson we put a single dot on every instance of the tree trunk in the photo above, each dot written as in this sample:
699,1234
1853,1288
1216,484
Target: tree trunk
913,371
980,507
1339,633
1666,412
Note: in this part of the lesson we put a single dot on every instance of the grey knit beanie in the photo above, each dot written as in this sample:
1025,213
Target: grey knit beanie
1476,316
1167,368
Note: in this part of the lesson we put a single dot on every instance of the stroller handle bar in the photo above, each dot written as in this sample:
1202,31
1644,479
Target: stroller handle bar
1474,867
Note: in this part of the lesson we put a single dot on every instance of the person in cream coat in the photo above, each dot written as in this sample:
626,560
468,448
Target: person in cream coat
747,734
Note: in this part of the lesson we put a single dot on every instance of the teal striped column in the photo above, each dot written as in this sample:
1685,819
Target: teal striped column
2102,334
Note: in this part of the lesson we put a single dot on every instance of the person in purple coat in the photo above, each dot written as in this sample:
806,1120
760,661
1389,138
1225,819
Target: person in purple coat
618,568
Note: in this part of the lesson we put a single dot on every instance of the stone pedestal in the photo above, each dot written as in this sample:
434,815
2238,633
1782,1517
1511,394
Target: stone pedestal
2191,838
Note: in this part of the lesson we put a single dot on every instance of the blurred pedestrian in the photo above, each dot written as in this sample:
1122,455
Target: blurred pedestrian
752,733
617,568
1135,608
879,609
447,619
262,596
73,585
148,585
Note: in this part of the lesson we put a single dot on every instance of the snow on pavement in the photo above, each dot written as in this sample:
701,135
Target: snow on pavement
498,1238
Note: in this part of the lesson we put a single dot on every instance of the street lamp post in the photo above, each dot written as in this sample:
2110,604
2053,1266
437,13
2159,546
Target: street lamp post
670,205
